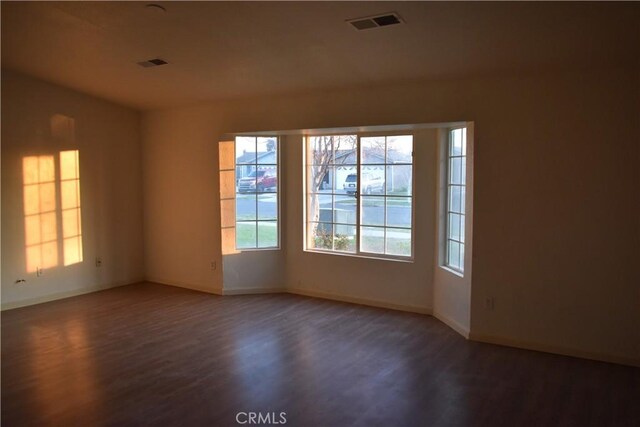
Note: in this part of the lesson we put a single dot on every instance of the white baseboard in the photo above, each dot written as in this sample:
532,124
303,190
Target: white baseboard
178,284
250,291
545,348
63,295
452,324
356,300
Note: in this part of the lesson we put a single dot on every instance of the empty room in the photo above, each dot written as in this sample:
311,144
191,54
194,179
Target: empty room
320,214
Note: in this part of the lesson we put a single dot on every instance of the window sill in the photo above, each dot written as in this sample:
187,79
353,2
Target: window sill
452,271
407,260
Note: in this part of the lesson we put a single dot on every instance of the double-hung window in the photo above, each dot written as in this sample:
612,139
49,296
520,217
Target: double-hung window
256,182
359,195
456,192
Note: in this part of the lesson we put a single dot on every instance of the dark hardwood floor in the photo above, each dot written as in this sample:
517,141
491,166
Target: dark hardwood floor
156,355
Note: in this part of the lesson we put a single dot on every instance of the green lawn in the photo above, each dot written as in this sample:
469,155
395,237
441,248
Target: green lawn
267,235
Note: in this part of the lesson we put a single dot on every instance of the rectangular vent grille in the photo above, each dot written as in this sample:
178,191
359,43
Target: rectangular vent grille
152,63
376,21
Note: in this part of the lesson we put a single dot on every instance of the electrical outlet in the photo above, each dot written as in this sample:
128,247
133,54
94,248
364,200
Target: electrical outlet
98,261
214,265
489,303
39,271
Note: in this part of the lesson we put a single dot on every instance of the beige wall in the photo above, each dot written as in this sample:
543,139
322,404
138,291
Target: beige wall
107,137
556,229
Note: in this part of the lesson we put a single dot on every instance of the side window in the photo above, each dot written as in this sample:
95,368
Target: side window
456,192
256,188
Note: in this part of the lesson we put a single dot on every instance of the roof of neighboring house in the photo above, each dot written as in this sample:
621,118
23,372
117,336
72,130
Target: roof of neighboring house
350,157
250,156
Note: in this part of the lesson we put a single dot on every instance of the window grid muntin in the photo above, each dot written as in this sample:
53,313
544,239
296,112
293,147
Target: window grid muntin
462,202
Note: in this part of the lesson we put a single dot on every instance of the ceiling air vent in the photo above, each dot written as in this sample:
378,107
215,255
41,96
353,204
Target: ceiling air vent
152,63
376,21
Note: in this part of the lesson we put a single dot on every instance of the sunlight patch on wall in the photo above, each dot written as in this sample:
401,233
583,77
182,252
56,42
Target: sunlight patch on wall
70,204
41,230
52,208
227,196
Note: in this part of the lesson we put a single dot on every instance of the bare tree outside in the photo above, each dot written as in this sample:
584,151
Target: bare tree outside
324,154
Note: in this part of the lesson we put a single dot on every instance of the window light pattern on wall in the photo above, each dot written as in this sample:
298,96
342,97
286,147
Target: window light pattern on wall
40,221
456,192
52,198
70,206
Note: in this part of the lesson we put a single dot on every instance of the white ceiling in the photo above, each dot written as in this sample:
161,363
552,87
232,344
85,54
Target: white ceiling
223,50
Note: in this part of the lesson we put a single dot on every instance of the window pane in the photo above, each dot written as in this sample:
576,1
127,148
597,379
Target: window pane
454,226
455,168
464,141
245,207
372,150
463,171
267,179
268,206
462,220
345,150
245,149
322,235
372,179
267,234
344,209
461,256
246,177
372,239
348,180
399,149
320,150
246,237
344,238
398,241
399,180
267,150
454,198
320,207
455,146
454,254
321,179
372,210
399,211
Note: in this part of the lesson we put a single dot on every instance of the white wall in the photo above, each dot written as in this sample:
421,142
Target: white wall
556,230
108,139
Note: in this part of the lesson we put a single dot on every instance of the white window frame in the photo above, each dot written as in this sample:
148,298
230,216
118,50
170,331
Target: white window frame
358,252
277,193
447,206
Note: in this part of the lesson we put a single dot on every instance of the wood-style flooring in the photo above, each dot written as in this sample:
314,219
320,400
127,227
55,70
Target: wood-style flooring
157,355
